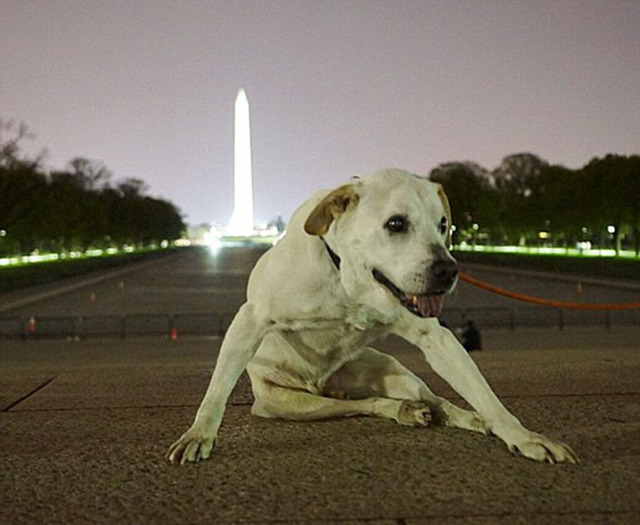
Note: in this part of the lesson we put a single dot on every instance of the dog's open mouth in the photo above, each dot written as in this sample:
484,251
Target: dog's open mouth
428,305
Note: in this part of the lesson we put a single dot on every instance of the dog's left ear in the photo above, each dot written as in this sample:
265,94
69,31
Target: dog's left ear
329,209
447,213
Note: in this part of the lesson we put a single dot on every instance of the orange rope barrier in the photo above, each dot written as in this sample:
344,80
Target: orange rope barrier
545,302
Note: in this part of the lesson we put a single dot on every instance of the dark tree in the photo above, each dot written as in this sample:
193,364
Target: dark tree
472,197
515,180
75,209
612,191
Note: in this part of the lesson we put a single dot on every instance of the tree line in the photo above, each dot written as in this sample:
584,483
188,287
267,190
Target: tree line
74,209
527,201
524,201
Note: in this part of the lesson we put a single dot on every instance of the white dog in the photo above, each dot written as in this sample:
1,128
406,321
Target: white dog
357,263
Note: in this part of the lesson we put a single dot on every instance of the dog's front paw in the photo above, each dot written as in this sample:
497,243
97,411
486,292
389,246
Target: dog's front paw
414,414
194,445
541,448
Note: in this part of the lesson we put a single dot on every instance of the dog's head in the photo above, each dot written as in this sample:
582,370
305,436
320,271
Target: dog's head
391,230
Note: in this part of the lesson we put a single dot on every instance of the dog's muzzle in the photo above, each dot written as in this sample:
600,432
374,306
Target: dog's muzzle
442,278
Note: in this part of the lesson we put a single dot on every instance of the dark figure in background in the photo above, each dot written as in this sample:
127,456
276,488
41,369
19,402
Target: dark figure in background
471,337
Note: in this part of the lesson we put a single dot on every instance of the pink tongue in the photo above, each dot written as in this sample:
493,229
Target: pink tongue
430,305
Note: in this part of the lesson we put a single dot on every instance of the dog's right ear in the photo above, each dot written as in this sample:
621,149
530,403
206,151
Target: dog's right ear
329,209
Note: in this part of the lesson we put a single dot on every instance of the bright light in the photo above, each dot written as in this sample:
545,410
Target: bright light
212,240
551,250
611,229
268,232
41,258
37,257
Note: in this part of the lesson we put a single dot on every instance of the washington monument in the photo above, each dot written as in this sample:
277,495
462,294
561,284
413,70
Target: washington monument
241,222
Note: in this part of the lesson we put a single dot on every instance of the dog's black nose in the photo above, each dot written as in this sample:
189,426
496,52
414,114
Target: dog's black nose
443,274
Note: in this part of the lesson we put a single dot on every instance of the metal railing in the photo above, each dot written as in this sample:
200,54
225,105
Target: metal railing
216,324
115,326
538,317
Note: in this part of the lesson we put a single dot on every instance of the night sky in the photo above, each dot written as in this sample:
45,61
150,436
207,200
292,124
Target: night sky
335,87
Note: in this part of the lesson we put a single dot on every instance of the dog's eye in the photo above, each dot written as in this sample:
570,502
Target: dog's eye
443,226
397,224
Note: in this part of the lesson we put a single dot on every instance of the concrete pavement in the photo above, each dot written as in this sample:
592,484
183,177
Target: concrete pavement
84,428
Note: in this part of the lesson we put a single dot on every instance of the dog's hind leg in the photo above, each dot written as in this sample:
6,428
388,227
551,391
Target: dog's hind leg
375,374
274,401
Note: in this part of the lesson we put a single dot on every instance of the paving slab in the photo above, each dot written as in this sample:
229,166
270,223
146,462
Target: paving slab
88,446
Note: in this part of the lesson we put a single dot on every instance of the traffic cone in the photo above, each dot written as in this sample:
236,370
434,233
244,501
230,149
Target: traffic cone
31,325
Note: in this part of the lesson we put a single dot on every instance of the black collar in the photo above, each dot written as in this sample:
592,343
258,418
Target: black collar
335,258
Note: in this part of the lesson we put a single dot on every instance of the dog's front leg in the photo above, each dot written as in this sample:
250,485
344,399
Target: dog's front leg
239,346
451,361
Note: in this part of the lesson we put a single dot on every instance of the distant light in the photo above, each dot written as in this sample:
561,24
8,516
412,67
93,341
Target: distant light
36,257
3,233
476,226
212,240
543,235
268,232
164,244
611,229
561,251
